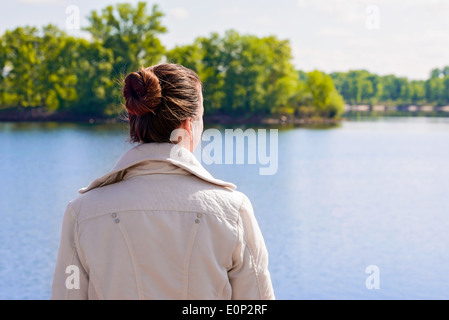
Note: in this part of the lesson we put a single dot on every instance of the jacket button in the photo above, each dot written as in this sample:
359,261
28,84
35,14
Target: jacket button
199,215
117,220
197,220
114,215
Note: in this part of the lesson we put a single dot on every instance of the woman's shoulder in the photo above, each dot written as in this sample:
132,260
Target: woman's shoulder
177,193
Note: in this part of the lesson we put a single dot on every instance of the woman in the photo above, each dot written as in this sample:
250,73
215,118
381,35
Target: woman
159,226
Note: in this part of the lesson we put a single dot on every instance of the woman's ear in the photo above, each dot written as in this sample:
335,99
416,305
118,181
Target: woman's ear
187,127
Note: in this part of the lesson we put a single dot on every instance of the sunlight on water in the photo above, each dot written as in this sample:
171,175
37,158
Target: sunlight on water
365,193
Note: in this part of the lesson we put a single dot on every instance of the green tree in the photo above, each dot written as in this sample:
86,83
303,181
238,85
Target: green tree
56,81
435,90
417,92
131,33
435,73
37,68
445,95
357,86
282,81
243,74
204,56
323,95
47,68
3,73
21,66
98,92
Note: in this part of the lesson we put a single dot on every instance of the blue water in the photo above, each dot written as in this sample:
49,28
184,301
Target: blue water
364,193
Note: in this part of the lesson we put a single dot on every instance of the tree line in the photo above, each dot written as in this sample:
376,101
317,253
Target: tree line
363,87
243,74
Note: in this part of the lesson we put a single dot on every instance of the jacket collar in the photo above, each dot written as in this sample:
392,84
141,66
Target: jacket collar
166,152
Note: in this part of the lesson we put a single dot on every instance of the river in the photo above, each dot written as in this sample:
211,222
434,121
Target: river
366,195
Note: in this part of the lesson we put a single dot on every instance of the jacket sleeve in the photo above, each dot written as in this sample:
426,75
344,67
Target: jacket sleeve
249,275
70,280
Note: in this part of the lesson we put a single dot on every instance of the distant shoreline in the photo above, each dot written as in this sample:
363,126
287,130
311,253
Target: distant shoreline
39,115
351,112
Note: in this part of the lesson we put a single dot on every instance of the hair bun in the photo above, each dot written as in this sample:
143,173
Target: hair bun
142,92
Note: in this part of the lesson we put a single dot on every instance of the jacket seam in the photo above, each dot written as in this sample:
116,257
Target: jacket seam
82,258
67,291
133,260
251,254
238,229
164,210
223,286
73,244
186,268
256,274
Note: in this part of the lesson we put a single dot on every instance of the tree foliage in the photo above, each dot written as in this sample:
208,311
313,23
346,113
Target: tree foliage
363,87
321,95
242,74
248,74
130,32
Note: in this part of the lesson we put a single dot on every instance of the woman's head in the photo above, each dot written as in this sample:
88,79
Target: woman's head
161,99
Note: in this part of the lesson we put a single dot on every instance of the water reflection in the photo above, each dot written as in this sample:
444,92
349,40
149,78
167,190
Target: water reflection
362,193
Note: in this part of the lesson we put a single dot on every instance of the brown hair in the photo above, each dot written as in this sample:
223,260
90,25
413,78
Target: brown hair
158,99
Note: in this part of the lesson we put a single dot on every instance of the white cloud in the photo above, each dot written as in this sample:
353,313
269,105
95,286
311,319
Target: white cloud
335,32
351,10
179,13
309,58
232,11
323,4
264,21
348,11
43,1
412,37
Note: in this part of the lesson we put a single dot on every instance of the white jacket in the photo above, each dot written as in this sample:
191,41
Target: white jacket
159,226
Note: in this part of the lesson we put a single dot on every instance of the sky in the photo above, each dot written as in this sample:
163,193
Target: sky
403,37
